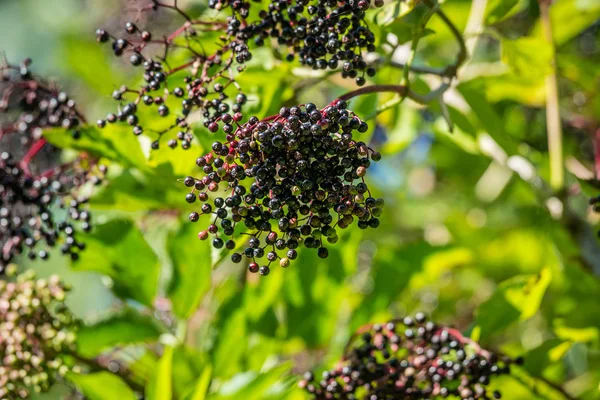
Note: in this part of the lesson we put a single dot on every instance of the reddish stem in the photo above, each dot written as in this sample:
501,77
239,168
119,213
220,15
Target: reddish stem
400,89
33,150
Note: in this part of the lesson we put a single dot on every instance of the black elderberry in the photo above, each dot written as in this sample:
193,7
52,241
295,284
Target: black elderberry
30,192
319,182
388,365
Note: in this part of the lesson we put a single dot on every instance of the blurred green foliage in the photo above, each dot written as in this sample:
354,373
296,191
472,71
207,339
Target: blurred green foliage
471,234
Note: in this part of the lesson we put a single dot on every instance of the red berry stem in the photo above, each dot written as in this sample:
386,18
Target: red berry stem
35,148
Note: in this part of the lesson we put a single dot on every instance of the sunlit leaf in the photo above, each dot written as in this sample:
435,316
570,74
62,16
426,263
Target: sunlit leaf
118,249
102,386
125,328
192,267
161,385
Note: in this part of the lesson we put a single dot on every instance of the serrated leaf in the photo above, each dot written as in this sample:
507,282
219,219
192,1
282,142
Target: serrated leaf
114,142
160,386
191,259
102,386
118,249
125,328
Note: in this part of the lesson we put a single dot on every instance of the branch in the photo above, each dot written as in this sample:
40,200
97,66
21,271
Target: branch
552,107
421,69
35,148
463,53
400,89
417,37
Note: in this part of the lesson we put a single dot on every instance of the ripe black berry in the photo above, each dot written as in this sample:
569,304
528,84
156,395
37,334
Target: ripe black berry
390,361
306,181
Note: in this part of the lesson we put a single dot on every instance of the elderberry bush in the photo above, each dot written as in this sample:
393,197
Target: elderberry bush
410,358
36,331
42,202
306,174
322,34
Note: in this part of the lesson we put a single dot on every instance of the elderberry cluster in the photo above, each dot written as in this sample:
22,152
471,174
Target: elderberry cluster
41,201
321,33
36,329
32,105
206,86
307,179
407,359
40,211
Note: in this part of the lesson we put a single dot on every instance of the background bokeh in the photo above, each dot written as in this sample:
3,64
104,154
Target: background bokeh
471,233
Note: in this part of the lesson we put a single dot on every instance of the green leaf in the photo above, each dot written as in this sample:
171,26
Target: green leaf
135,191
192,269
118,249
487,117
570,18
497,10
394,10
406,32
202,385
161,385
128,327
229,348
88,61
114,142
518,298
528,57
251,385
101,386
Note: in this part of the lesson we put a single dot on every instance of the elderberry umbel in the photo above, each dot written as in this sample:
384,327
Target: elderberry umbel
30,104
306,173
322,34
36,330
202,83
41,200
39,211
410,358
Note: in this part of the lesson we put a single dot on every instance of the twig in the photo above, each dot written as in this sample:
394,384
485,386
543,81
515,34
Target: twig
400,89
415,43
463,53
35,148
